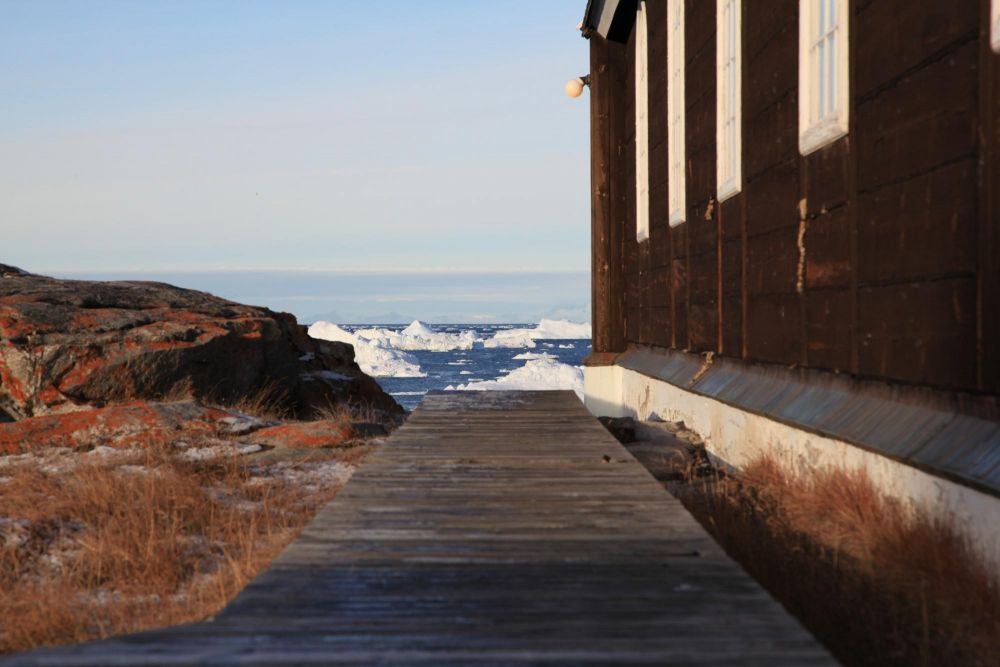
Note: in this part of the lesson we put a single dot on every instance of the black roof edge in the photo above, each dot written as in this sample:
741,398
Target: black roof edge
611,19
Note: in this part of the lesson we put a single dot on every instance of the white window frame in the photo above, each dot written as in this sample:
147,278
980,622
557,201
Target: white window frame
995,25
676,158
824,97
728,98
641,125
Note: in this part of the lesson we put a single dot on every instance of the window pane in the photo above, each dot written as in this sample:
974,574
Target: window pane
832,77
821,87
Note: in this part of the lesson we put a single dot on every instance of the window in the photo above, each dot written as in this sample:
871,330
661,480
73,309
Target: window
641,126
823,75
995,25
675,111
728,98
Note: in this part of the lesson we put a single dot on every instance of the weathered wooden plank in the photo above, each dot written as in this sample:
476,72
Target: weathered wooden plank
922,332
603,267
492,528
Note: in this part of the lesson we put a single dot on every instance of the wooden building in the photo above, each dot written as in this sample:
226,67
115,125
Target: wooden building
796,232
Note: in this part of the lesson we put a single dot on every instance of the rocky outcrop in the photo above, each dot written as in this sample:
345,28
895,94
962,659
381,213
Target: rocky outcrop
181,424
135,424
69,344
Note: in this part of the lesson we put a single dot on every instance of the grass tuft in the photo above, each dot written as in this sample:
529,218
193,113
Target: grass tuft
141,539
880,583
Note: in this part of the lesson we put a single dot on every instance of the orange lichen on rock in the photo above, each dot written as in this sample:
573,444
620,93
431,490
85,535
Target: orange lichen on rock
74,343
12,386
129,425
325,433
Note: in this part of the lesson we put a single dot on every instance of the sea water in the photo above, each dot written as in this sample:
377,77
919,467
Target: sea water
453,368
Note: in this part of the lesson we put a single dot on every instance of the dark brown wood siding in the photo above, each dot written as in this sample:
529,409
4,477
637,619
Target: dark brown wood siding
876,255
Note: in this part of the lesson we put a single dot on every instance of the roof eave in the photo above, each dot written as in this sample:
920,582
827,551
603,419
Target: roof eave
611,19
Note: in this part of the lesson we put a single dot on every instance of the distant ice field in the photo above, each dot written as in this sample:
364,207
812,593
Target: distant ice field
408,361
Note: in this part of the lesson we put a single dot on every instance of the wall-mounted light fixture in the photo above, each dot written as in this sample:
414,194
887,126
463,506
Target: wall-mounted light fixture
574,87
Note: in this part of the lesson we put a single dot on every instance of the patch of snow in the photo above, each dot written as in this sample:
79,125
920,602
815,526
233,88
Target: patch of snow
217,451
16,460
465,372
237,423
137,470
14,532
567,346
308,356
104,453
227,496
535,374
306,476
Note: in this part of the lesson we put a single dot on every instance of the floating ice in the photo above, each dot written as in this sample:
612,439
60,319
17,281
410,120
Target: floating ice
418,328
535,374
511,338
419,336
535,355
546,330
561,330
373,358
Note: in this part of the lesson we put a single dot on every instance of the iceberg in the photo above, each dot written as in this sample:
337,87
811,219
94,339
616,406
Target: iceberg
535,374
511,338
535,355
419,336
374,359
418,328
546,330
561,330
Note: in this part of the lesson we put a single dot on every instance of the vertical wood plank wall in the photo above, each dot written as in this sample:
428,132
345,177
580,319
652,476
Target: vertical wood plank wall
900,275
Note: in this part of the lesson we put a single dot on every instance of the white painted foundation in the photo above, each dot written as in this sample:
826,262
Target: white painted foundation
734,437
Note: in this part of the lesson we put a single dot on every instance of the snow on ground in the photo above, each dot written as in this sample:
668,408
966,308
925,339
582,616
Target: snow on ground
219,450
546,330
374,358
535,374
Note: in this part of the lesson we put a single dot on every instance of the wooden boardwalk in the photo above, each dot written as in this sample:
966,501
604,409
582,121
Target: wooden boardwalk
493,528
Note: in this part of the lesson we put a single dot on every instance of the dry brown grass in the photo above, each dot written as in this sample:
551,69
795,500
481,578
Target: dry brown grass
353,412
100,549
877,582
268,402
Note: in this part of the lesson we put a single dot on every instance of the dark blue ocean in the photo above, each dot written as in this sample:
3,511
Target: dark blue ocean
463,366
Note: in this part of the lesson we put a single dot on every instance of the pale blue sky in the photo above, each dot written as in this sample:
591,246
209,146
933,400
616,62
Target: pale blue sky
165,136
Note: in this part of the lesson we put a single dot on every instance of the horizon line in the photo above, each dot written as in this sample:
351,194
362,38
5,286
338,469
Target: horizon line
363,271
